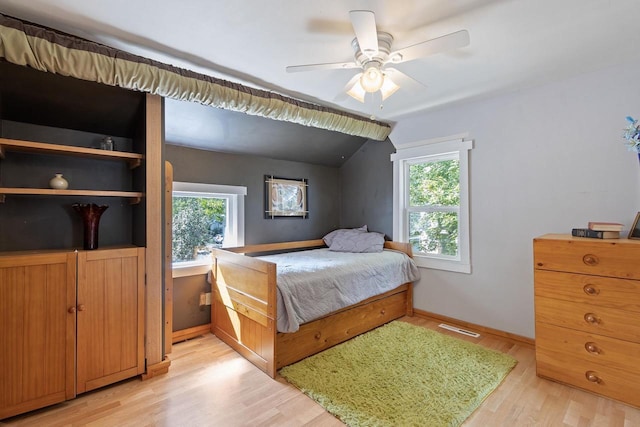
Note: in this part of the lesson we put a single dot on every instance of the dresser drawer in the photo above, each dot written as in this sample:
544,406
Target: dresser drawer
589,318
613,257
601,291
590,348
608,381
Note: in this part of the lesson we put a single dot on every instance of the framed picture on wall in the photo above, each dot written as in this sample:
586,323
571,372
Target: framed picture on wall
285,198
634,233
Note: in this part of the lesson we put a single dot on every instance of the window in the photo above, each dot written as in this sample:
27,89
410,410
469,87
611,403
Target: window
431,203
205,216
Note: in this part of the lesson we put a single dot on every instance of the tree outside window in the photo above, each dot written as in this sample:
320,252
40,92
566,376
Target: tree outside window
198,226
433,206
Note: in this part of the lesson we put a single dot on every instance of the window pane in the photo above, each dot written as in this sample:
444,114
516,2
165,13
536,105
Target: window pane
434,232
435,183
198,226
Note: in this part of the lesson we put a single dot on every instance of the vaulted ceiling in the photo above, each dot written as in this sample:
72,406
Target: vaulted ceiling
514,44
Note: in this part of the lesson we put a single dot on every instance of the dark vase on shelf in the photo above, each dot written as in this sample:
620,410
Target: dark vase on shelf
91,214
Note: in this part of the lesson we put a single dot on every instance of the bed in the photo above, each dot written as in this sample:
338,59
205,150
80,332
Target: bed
244,310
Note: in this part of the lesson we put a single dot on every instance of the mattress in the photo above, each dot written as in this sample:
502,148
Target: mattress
314,283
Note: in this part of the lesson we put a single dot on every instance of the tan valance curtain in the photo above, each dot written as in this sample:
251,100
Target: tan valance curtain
47,50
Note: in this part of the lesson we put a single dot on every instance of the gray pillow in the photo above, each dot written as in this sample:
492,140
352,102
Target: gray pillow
357,241
328,239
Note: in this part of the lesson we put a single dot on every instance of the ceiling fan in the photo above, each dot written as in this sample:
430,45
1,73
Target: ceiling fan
373,55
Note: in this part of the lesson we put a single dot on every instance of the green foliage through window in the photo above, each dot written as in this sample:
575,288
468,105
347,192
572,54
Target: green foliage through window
435,183
198,225
434,199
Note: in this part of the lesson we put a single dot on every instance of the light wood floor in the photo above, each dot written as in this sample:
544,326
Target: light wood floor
210,385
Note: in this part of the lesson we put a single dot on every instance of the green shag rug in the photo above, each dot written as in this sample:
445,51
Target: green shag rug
401,375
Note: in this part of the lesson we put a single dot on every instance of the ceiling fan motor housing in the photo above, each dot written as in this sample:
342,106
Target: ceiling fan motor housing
384,48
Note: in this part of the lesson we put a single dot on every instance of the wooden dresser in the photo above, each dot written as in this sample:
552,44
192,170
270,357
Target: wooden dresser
587,308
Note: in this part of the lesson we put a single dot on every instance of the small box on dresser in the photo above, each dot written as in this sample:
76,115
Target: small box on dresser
587,314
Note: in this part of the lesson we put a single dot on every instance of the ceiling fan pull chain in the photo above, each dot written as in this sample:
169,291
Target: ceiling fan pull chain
372,96
376,103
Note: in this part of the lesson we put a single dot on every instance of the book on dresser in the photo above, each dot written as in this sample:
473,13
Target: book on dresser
593,234
604,226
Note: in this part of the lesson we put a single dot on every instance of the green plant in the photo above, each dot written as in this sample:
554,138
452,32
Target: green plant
434,186
197,225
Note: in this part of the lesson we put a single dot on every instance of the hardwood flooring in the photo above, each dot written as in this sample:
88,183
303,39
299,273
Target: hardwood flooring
210,385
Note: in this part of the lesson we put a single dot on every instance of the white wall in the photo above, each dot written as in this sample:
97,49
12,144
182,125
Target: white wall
545,159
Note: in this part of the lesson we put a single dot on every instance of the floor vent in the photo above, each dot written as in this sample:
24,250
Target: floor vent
458,330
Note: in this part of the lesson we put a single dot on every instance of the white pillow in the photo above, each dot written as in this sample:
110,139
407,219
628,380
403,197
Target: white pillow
330,236
357,241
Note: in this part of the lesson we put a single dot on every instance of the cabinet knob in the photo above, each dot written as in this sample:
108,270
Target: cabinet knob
81,307
592,348
71,310
591,318
591,290
592,377
590,259
382,311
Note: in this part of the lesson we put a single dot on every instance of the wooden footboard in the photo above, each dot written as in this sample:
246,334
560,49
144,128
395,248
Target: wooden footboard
244,309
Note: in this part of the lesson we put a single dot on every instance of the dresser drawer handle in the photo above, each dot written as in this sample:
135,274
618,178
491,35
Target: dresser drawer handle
592,377
592,348
591,290
591,318
590,259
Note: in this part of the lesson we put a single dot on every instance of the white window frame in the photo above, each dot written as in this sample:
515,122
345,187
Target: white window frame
445,149
234,230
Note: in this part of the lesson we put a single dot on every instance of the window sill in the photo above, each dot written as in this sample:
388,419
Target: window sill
190,269
442,264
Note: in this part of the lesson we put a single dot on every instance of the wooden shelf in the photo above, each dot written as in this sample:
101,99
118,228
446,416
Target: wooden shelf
6,145
134,195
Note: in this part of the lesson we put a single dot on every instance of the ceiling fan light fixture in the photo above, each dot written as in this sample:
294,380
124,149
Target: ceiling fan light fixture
388,88
372,78
357,92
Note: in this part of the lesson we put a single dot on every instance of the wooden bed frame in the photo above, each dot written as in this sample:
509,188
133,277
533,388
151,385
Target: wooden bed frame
243,309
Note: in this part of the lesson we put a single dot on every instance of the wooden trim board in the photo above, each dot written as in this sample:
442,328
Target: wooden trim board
530,342
185,334
160,368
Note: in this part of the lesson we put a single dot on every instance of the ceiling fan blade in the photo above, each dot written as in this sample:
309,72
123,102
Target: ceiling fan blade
326,66
403,80
431,47
364,25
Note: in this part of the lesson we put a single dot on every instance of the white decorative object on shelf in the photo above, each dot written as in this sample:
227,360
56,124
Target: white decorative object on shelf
58,182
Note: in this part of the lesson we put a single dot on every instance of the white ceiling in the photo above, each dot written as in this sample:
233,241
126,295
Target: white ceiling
514,43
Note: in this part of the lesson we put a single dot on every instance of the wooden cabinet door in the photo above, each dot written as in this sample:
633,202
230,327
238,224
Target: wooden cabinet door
37,336
110,341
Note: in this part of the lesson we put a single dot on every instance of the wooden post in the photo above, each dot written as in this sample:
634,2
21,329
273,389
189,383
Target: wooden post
155,226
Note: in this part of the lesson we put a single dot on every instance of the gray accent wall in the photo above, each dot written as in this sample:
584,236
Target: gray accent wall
366,182
187,311
194,125
202,166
